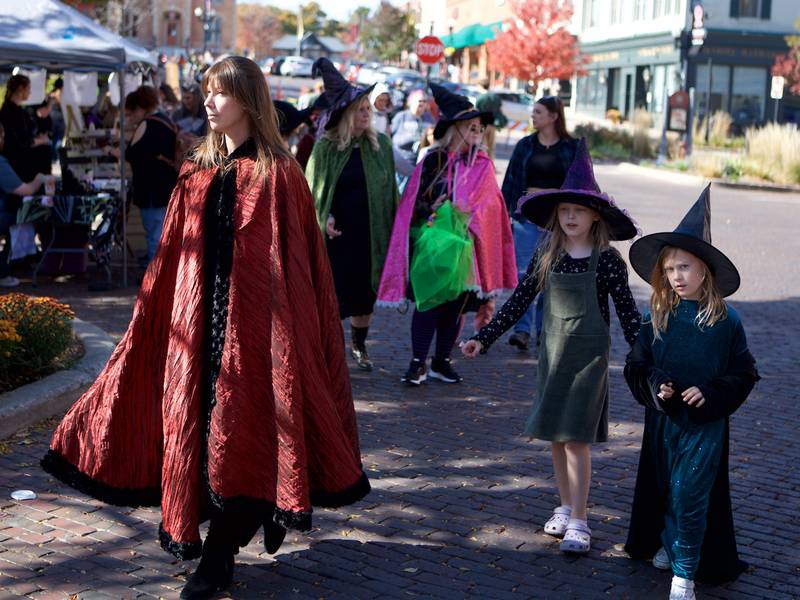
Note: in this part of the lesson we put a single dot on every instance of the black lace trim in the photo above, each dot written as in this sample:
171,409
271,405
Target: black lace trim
180,550
61,469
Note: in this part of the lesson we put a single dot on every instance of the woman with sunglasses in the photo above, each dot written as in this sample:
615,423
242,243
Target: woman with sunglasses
539,161
451,243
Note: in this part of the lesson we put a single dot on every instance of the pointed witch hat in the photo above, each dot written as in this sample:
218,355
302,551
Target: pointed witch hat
289,118
339,93
579,187
692,234
454,108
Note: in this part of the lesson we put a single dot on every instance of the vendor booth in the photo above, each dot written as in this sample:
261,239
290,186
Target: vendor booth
92,194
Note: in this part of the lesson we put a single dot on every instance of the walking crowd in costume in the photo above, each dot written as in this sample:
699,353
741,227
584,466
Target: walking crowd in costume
228,400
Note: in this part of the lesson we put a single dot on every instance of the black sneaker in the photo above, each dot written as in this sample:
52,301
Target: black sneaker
416,373
443,371
520,339
362,358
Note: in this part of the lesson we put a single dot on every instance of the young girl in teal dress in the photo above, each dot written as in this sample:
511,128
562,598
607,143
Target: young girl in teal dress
691,369
577,271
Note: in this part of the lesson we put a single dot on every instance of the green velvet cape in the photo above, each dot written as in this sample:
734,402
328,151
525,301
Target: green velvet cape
323,171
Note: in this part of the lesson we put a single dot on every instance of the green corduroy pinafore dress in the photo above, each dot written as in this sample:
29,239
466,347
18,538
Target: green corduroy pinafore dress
571,403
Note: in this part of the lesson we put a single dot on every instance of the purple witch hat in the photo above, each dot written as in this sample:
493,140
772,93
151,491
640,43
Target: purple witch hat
579,187
339,93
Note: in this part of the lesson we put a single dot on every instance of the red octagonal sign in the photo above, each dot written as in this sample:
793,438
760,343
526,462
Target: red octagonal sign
430,49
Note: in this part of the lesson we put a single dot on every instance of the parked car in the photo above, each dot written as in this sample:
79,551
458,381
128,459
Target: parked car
405,79
371,73
296,66
275,67
517,106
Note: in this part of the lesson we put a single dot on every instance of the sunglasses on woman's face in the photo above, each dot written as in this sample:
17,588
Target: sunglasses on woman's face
477,128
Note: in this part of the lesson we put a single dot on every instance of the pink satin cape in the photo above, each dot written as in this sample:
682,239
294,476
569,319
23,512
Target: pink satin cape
475,191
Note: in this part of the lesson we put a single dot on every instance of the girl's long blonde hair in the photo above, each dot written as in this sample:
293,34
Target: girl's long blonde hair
664,301
342,134
242,79
553,247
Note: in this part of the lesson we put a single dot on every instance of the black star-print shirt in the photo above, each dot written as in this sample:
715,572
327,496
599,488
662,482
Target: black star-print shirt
612,280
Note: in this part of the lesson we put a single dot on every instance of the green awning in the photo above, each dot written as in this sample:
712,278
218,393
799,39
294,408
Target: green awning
472,35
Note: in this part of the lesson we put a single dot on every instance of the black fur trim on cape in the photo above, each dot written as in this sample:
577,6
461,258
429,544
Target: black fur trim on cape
180,550
61,469
347,496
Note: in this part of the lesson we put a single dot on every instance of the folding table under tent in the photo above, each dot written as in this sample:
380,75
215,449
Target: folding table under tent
52,35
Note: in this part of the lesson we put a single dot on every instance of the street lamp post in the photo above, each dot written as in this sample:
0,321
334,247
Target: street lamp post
206,16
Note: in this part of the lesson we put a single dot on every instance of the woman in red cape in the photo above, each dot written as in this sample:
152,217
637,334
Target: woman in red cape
229,397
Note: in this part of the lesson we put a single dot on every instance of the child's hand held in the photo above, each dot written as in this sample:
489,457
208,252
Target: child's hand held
471,348
693,397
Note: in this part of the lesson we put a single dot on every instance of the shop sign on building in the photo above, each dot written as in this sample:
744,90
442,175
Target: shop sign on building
678,111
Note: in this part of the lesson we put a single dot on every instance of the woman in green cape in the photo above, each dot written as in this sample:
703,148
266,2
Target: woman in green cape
351,174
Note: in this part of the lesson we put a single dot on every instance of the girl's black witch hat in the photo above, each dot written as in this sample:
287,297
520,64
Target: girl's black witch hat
692,234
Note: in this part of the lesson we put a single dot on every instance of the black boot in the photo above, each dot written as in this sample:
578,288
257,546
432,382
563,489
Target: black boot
215,571
273,536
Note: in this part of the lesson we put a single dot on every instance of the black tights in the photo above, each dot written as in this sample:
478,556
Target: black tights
444,321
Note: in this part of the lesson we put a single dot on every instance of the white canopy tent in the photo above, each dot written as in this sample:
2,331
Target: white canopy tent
50,34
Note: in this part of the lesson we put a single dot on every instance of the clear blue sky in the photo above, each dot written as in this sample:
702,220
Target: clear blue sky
336,9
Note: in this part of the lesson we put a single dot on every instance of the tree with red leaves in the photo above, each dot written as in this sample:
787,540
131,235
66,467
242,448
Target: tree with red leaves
788,65
535,44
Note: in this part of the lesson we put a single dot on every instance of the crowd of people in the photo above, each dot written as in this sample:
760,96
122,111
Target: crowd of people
230,391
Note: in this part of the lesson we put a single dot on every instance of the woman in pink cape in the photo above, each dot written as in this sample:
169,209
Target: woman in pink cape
456,183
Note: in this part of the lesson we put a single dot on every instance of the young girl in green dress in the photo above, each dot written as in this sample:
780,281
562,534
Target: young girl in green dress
691,369
576,270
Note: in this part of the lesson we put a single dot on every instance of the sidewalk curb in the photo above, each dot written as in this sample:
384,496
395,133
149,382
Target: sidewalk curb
741,185
759,187
44,398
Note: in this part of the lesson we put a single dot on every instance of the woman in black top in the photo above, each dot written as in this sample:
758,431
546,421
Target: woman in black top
151,154
21,138
539,161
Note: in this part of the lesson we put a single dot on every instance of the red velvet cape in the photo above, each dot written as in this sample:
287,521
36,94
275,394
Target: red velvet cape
283,431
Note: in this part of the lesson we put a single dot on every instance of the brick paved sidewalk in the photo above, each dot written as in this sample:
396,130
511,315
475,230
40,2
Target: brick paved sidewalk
458,502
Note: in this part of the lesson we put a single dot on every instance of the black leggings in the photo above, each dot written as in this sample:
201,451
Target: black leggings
444,321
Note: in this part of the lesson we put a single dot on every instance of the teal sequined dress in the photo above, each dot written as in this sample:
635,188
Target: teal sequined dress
682,497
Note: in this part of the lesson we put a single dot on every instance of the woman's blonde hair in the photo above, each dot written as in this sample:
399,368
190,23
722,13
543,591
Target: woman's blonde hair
664,300
553,247
342,134
242,79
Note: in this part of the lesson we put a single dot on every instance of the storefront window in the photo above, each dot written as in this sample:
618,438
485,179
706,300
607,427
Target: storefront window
749,90
720,77
592,90
657,89
747,8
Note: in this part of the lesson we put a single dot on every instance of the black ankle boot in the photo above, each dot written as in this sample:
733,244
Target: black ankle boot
273,536
214,573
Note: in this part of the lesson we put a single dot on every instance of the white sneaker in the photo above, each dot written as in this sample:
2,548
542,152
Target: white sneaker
9,281
682,589
661,560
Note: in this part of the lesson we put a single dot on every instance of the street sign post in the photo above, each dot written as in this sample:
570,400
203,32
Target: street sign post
430,49
776,93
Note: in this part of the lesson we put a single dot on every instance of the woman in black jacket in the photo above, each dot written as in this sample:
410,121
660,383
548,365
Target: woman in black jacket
151,154
20,128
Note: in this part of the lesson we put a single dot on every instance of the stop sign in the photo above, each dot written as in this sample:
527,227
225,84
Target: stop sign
430,49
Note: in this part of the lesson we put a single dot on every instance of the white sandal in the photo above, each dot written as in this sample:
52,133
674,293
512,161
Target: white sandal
577,538
557,524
